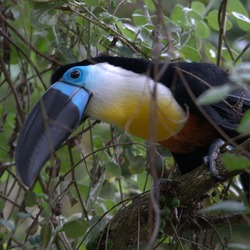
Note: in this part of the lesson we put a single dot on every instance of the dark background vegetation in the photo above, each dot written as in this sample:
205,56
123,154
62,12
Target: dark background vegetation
101,167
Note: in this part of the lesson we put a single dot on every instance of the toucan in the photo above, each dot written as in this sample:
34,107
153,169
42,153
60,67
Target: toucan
152,100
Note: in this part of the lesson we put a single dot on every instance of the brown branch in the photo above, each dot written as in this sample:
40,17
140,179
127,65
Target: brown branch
25,41
133,223
221,22
11,85
75,8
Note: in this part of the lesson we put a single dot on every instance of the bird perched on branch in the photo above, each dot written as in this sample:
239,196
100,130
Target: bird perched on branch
155,101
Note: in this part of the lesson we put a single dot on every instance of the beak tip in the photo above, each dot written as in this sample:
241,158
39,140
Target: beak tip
29,183
25,177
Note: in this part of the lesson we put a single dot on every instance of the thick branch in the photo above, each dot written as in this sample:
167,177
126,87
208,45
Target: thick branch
134,223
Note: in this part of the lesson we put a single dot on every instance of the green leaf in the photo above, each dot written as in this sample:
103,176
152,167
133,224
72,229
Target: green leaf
139,18
8,224
136,162
107,191
97,223
30,198
126,32
5,175
226,55
150,5
46,232
178,16
96,36
227,206
198,7
235,6
190,53
142,183
235,162
2,203
23,215
214,95
146,49
92,2
137,165
75,228
193,16
241,74
42,196
40,1
212,20
92,244
241,17
211,52
112,170
242,20
202,30
244,126
43,15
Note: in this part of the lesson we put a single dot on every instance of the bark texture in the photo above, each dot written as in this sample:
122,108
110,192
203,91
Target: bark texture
136,222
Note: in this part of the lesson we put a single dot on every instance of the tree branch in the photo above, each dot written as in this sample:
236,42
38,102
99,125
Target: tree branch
133,224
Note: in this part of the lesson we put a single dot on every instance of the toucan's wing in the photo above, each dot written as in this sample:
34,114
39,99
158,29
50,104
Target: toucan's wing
189,80
228,113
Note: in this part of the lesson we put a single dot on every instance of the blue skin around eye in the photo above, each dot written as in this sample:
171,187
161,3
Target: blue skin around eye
78,95
83,70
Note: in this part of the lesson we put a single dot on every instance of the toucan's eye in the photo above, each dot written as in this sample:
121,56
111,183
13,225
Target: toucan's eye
75,74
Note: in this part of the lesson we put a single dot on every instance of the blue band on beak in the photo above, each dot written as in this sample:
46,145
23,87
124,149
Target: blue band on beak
79,95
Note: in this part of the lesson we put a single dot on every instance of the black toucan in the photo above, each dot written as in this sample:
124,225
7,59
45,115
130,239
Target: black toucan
150,100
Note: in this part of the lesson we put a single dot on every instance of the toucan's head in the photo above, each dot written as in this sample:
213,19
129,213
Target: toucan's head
103,91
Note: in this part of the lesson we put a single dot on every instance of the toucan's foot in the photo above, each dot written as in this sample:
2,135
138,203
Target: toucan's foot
213,152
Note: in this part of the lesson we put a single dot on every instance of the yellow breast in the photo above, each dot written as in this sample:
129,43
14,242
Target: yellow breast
134,102
155,118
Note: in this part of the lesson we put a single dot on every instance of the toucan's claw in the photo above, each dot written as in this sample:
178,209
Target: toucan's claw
210,159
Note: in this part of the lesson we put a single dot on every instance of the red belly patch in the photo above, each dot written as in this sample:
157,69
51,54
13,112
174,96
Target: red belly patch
197,132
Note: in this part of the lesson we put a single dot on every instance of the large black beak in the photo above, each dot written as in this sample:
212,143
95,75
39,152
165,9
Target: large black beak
48,125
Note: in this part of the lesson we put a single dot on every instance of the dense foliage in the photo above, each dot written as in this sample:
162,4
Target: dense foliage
100,166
